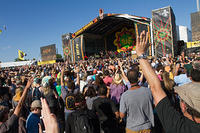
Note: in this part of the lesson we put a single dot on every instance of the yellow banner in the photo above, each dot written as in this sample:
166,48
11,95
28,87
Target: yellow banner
47,62
193,44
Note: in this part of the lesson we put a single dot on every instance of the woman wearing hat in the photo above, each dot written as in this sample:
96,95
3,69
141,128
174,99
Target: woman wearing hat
117,88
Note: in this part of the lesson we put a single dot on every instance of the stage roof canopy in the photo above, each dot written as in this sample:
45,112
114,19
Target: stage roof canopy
101,26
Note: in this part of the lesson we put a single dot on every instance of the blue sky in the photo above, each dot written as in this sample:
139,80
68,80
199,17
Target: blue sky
35,23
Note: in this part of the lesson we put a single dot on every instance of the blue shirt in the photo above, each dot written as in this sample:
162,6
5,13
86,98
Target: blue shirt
32,123
181,79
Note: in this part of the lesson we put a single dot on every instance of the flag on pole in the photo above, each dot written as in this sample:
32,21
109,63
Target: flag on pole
21,55
4,27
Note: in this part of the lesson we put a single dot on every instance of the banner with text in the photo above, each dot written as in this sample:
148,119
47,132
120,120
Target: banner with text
193,44
78,48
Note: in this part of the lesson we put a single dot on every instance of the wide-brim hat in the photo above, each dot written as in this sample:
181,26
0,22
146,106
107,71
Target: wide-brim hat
36,104
45,81
190,94
117,79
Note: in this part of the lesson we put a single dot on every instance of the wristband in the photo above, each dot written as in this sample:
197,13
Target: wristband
142,56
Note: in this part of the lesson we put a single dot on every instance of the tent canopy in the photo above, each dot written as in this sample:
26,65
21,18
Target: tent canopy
108,23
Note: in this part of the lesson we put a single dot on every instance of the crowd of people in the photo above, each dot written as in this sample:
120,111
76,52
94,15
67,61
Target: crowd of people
113,95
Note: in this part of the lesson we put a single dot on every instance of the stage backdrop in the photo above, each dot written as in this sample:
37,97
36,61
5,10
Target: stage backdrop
48,52
66,39
164,32
139,27
125,39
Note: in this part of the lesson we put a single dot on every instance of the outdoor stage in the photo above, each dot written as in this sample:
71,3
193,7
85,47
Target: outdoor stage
108,32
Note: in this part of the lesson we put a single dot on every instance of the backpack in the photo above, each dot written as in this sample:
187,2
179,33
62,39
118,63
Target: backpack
70,101
36,94
83,123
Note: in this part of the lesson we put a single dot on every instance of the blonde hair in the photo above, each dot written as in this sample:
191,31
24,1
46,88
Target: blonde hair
46,90
18,94
169,83
117,79
173,69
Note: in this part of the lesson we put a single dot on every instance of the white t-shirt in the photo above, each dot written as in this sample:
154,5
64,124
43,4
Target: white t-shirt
82,84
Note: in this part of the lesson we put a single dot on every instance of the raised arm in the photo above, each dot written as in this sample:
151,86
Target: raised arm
63,90
150,75
83,68
77,70
123,74
23,97
49,119
141,78
62,76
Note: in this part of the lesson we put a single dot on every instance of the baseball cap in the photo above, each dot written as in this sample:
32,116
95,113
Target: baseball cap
190,93
95,71
36,104
45,81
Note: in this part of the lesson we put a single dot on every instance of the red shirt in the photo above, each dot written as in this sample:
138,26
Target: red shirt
107,80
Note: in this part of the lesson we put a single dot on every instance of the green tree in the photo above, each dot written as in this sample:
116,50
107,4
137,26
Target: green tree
58,56
17,59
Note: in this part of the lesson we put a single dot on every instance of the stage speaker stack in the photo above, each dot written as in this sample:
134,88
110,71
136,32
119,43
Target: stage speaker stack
164,32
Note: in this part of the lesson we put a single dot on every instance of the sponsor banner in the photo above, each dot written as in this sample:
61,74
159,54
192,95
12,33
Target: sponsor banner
78,48
193,44
48,52
47,62
163,31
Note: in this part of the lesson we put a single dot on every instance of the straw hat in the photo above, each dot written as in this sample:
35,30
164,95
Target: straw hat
117,79
36,104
